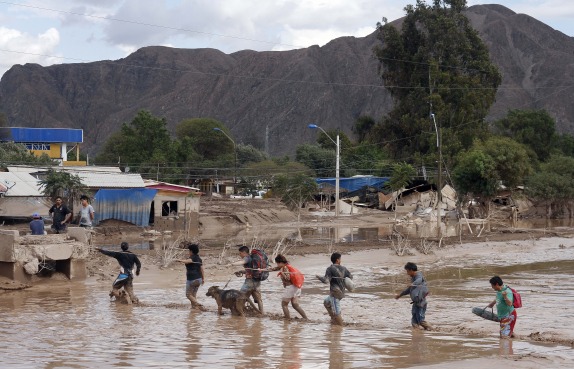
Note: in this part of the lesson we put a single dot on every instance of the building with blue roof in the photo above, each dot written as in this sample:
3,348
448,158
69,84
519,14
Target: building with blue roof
54,142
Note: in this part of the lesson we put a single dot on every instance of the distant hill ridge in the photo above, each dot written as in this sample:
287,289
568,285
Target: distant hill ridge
273,96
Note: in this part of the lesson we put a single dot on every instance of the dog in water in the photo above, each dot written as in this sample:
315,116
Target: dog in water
233,300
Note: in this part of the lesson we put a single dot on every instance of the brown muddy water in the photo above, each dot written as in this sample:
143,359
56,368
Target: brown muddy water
314,234
77,326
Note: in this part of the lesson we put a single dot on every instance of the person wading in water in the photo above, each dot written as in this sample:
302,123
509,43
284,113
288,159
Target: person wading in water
194,274
127,260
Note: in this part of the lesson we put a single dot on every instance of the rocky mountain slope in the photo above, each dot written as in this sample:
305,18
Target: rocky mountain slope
269,98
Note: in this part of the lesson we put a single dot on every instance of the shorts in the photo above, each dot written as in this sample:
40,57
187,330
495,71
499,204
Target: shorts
291,292
251,285
507,324
192,286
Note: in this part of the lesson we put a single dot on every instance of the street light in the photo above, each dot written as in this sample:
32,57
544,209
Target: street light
314,126
235,164
438,195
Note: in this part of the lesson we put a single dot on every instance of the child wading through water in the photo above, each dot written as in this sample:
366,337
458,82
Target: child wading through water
292,282
504,307
335,275
418,291
127,260
194,274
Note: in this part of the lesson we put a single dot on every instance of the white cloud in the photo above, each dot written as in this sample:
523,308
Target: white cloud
229,25
24,48
245,24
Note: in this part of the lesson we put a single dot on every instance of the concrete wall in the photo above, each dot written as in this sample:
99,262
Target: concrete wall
16,251
187,218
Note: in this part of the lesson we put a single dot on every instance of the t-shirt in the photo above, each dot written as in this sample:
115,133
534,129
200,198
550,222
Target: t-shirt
335,275
59,213
85,218
247,264
37,227
502,309
126,259
194,269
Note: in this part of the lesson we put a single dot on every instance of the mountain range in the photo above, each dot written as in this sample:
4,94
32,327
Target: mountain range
268,99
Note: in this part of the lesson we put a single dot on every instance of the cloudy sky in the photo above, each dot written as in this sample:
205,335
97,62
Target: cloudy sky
68,31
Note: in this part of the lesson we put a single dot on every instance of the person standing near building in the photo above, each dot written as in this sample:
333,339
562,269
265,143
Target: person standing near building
505,310
86,212
37,225
335,275
194,275
60,215
418,292
127,260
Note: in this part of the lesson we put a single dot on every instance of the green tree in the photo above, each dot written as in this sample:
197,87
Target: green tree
207,142
475,176
322,161
438,64
295,190
248,154
403,174
512,163
63,184
533,128
143,140
365,159
552,184
327,141
565,145
363,126
263,174
17,154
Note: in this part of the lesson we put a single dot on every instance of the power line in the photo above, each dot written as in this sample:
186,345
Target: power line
145,24
208,34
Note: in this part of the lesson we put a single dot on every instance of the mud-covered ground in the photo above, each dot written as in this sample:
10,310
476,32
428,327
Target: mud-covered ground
537,262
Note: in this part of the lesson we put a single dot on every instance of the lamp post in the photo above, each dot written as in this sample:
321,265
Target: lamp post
235,163
438,195
337,143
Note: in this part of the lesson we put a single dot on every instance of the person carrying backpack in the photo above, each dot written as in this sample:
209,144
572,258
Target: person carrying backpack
292,282
505,310
255,264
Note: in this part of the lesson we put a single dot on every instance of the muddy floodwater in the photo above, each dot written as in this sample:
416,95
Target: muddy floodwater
75,325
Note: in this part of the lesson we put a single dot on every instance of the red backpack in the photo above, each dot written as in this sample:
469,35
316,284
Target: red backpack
297,278
516,298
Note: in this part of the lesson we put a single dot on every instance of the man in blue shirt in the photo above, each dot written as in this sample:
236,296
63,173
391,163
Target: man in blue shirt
37,225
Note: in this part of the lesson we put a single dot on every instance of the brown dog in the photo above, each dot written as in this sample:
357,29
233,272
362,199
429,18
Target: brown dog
233,300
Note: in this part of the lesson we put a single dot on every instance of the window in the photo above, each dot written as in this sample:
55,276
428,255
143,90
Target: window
169,208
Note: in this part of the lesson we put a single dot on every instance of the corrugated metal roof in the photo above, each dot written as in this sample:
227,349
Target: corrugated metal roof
150,183
111,180
93,177
20,184
28,169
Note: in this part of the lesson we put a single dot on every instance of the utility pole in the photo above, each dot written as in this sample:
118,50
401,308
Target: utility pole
338,144
439,179
235,162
